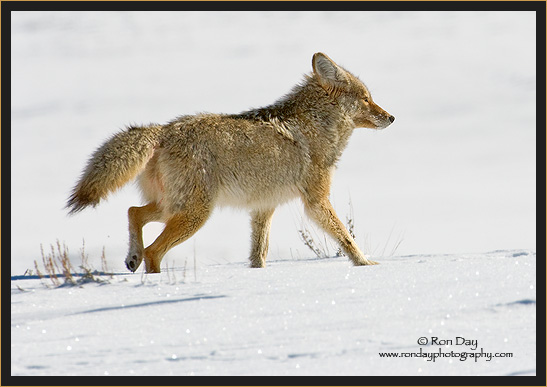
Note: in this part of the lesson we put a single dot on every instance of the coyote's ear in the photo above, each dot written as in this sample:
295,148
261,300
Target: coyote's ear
331,76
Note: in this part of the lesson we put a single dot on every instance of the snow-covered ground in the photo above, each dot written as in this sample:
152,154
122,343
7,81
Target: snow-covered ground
296,317
455,174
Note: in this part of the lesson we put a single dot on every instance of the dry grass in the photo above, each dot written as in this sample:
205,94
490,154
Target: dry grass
321,249
318,250
59,271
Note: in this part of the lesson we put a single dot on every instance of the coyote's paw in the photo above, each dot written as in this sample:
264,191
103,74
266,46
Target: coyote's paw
257,264
133,260
151,267
365,261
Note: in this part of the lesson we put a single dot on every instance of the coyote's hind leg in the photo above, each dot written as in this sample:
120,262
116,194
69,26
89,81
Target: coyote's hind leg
178,228
138,217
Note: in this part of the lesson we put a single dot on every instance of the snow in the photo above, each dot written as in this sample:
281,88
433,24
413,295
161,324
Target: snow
296,317
455,174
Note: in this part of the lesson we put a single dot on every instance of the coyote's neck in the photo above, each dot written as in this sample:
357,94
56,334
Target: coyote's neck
307,103
309,111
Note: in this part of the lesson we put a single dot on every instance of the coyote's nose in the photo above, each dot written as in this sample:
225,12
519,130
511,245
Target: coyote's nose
391,118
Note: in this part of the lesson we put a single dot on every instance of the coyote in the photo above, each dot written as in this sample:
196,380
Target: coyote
257,159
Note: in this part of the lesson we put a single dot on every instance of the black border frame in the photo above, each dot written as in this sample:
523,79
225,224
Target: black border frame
6,379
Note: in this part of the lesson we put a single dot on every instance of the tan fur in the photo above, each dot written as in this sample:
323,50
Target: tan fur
257,159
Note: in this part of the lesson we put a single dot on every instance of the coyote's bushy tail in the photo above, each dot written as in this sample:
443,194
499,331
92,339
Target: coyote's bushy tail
118,161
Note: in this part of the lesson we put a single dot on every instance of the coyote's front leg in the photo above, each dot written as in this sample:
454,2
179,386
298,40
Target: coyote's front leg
261,221
323,214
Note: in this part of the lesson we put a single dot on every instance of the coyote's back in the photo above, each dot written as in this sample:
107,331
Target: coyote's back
255,159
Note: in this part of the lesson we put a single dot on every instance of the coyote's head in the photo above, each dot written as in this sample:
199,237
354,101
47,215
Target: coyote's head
352,95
